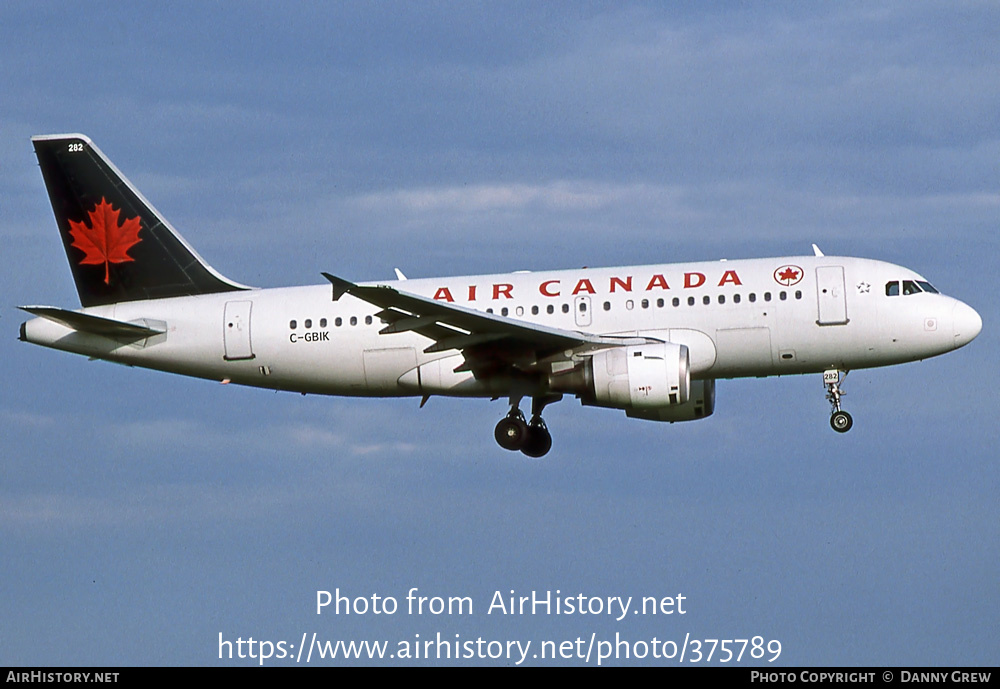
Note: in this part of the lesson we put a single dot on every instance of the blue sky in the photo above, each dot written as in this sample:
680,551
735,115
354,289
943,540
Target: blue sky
143,514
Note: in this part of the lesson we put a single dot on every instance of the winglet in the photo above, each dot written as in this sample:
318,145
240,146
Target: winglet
816,251
340,286
399,274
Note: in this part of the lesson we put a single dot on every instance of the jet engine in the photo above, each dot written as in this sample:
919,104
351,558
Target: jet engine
701,403
635,377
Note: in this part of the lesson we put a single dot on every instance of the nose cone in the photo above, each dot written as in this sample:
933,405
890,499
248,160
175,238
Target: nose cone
967,324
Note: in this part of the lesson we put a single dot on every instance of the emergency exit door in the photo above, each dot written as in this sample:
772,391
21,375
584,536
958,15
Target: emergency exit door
581,309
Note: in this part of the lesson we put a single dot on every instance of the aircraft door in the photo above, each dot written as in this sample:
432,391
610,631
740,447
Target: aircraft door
236,330
581,309
831,295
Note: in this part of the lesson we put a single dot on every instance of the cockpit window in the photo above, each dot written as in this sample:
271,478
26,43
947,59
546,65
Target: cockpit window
909,287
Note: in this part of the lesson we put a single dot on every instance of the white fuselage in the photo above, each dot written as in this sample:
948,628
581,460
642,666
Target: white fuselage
756,317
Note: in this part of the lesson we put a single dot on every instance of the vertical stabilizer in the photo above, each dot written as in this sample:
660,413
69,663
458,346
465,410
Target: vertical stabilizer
119,247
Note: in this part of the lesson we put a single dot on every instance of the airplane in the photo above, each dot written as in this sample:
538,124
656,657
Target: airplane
650,340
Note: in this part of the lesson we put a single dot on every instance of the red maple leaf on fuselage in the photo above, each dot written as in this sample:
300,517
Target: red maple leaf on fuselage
105,241
788,274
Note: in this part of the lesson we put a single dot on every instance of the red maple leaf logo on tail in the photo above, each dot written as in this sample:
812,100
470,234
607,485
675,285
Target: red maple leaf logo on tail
105,241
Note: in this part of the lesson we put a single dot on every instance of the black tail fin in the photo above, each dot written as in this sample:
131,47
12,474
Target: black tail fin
119,247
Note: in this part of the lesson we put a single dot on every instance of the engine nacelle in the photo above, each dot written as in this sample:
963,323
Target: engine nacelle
700,404
646,376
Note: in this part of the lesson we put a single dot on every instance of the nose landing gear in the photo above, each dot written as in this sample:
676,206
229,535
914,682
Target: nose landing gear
840,420
532,438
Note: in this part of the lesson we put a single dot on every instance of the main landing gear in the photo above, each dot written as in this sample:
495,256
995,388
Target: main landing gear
840,420
530,437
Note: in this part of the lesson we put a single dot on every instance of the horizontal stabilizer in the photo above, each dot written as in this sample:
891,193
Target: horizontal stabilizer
96,325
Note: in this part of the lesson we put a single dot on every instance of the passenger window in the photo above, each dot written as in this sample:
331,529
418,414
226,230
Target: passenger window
504,311
607,306
629,304
565,308
354,320
782,295
753,297
676,302
550,309
308,323
292,325
659,303
706,300
519,310
645,303
338,321
690,301
322,322
368,320
722,298
767,296
798,294
534,310
892,289
736,299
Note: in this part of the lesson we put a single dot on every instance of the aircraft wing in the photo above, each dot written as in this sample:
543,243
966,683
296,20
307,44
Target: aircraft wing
477,334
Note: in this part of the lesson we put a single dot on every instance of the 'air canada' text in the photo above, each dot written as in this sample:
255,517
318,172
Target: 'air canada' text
559,288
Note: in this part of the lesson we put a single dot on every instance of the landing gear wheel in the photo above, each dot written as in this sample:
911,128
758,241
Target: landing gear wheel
538,441
841,421
514,433
511,432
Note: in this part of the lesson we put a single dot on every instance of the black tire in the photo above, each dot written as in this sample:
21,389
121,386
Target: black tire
841,422
538,443
511,433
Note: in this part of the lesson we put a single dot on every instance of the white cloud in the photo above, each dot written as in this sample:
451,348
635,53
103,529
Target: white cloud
561,195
